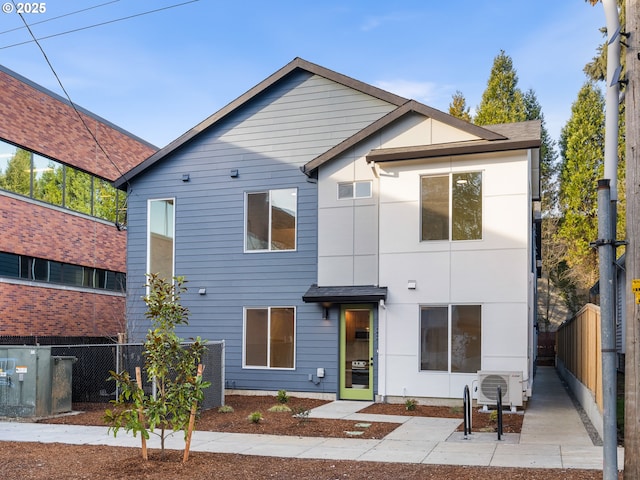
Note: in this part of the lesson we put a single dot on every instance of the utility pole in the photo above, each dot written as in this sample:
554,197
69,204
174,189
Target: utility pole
632,257
607,215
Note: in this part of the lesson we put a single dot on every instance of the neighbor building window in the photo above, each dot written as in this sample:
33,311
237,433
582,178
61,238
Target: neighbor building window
450,338
269,337
161,231
451,206
24,267
271,219
27,173
351,190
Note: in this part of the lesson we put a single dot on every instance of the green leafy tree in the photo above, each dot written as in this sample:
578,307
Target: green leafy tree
582,151
49,184
502,101
596,69
78,191
172,367
458,107
17,177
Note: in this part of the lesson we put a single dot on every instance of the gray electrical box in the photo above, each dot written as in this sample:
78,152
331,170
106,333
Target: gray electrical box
33,383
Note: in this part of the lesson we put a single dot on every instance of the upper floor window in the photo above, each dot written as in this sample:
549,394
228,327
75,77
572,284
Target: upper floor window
350,190
161,234
271,219
451,206
34,176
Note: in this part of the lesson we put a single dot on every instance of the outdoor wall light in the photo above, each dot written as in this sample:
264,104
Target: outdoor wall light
234,173
411,284
202,291
185,177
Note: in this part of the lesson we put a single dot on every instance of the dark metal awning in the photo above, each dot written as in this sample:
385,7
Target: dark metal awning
347,294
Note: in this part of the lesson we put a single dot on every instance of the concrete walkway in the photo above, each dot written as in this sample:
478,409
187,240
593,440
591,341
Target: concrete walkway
553,436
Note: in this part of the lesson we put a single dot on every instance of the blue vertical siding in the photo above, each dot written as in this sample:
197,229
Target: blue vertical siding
267,141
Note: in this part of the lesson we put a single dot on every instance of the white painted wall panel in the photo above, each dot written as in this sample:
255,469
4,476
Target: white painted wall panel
491,276
430,271
337,227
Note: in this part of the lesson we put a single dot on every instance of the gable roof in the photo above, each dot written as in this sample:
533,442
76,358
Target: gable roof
296,64
403,105
411,106
514,136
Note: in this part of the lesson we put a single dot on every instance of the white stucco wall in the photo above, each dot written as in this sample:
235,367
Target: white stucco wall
377,241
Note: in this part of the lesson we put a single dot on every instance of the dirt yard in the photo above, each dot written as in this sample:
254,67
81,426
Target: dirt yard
23,461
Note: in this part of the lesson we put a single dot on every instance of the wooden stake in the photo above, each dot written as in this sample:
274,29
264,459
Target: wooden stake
141,415
192,420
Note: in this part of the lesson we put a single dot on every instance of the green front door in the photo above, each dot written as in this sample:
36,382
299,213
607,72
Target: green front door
356,352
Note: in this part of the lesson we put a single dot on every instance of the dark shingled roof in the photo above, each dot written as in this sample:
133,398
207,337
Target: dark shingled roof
345,294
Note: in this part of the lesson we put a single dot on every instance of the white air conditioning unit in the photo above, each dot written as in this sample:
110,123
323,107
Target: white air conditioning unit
510,384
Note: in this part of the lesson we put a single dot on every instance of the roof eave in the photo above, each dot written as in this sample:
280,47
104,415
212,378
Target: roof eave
450,150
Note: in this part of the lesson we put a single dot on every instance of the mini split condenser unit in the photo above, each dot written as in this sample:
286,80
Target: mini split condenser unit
510,384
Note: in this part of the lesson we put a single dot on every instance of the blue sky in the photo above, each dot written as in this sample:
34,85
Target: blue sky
159,74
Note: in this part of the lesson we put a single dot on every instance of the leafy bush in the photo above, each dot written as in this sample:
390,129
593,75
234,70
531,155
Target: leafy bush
410,404
255,417
282,396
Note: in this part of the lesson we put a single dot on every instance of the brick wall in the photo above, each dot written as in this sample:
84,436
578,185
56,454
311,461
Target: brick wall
35,120
40,231
45,311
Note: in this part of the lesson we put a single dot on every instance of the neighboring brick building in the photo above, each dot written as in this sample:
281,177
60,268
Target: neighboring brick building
62,251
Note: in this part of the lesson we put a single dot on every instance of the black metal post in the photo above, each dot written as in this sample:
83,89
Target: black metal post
466,400
499,407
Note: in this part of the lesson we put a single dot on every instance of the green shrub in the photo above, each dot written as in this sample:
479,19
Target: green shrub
280,408
225,409
282,396
410,404
255,417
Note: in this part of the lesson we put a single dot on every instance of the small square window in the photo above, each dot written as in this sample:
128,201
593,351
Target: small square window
351,190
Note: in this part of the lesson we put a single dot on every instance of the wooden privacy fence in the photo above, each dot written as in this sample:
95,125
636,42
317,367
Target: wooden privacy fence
578,344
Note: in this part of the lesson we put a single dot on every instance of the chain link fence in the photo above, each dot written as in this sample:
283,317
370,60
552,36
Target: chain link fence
92,363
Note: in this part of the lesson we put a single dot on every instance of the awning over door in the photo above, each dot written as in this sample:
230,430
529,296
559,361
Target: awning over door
347,294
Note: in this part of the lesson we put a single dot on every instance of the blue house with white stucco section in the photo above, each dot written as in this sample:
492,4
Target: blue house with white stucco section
278,210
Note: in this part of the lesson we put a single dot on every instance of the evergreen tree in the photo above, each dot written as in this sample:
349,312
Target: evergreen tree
17,177
458,107
502,100
582,151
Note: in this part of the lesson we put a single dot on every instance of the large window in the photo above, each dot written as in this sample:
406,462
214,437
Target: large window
271,220
34,176
450,338
161,238
269,337
451,206
49,271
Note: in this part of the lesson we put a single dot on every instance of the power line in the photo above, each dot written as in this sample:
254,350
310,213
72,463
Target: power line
91,26
55,74
60,16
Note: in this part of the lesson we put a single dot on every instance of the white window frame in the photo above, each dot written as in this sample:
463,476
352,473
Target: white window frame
449,308
450,212
244,338
354,184
246,216
173,222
